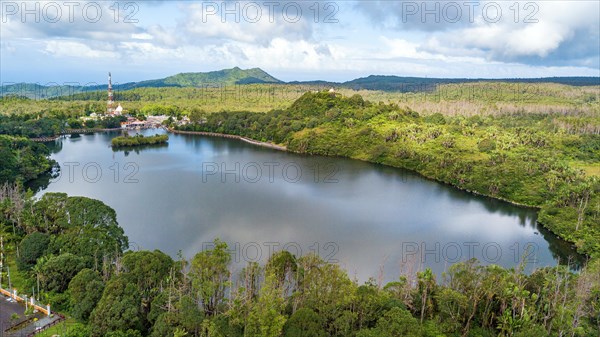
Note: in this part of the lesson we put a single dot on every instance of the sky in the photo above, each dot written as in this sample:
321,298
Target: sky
78,42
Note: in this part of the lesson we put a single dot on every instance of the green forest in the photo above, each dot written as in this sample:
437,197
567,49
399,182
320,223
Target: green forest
534,146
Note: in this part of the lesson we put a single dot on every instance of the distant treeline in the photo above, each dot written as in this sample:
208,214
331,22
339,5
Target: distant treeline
49,125
373,82
419,84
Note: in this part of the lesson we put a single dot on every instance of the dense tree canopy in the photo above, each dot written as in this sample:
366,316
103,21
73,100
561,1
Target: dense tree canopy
22,159
85,290
32,247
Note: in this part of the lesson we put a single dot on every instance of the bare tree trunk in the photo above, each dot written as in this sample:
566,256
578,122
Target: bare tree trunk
581,210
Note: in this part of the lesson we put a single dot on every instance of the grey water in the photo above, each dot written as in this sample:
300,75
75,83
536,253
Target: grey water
372,220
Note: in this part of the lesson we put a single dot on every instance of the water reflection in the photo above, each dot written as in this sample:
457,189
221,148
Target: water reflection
137,149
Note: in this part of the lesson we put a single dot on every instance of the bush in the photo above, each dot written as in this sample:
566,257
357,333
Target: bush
78,330
486,145
436,118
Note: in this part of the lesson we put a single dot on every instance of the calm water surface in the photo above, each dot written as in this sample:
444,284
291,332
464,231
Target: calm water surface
372,220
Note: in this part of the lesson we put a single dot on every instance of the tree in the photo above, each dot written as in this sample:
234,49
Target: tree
75,123
124,333
86,227
370,304
486,145
210,274
197,115
184,316
32,247
118,309
266,317
304,323
326,289
396,322
85,290
90,123
148,272
284,266
57,271
425,293
464,293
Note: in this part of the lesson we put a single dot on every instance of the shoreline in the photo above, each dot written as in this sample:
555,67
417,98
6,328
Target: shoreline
70,132
230,136
283,148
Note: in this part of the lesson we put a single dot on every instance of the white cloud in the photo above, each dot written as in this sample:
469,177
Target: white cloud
62,48
142,36
540,30
566,32
244,28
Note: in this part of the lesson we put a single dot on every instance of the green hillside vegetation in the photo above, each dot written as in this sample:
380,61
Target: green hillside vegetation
217,78
206,79
38,91
138,140
250,97
220,77
479,98
22,159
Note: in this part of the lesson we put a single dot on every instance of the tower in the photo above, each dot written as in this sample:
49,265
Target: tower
109,104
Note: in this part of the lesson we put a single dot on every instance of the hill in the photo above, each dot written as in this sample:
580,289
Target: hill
237,76
212,79
38,91
224,77
420,84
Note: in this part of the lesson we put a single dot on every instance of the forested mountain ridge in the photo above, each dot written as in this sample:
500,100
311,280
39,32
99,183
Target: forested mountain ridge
419,84
214,78
237,76
222,77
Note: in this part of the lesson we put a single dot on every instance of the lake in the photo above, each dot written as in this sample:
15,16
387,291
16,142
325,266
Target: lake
372,220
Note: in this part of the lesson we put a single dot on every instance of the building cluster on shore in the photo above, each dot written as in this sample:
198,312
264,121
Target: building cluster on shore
151,122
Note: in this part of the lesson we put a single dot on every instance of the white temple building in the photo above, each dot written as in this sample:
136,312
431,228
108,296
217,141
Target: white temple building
118,110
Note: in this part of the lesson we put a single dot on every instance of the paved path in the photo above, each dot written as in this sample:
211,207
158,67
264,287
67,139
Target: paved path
7,309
